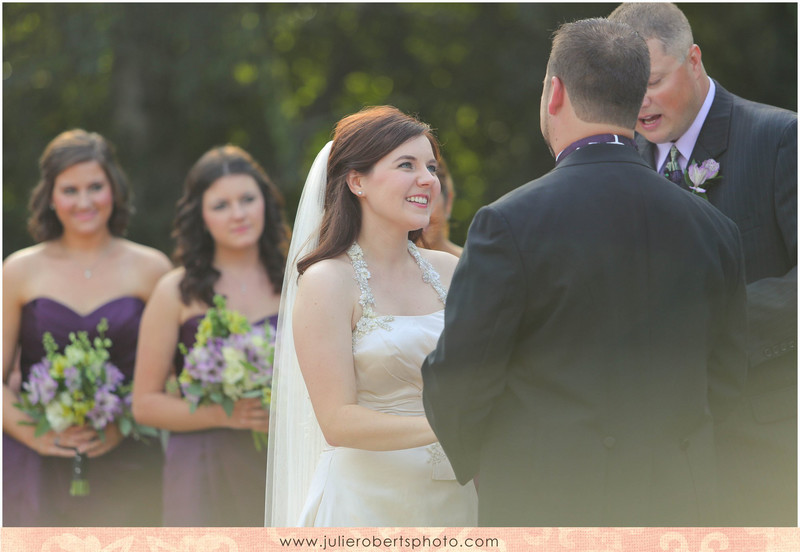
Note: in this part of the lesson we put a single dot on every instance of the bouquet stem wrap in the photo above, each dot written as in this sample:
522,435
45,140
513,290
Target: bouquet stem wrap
80,483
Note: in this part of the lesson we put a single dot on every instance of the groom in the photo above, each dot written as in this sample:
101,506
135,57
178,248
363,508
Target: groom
595,325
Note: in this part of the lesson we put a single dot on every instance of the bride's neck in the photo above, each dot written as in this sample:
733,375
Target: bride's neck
384,248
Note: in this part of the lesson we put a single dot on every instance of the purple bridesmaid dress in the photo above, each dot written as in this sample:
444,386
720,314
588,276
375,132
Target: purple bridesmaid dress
125,482
214,477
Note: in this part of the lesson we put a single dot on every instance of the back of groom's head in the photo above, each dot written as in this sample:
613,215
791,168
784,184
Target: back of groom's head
604,66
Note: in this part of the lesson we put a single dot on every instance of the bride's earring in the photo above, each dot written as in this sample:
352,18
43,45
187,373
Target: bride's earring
360,192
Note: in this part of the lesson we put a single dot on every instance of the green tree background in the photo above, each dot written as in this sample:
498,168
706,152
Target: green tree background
165,82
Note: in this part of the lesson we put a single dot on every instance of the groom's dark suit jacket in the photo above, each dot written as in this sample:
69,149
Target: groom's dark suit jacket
594,326
756,147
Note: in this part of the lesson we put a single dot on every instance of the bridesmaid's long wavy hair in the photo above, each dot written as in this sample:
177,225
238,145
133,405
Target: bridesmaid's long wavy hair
359,142
194,248
65,150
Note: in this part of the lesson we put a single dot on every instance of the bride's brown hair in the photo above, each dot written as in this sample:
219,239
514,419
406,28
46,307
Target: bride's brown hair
359,142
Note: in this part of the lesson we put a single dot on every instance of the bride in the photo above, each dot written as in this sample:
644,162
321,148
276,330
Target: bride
362,307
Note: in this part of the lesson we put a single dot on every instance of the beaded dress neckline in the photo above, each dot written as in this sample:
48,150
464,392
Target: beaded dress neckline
369,320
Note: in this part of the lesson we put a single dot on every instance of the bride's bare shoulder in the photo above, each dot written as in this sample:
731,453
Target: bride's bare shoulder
328,290
334,275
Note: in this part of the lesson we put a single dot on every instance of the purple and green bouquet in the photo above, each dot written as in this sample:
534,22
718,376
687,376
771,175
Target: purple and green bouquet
79,387
230,360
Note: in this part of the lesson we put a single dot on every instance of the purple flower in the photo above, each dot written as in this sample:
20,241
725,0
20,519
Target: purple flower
107,406
72,378
205,364
41,386
114,376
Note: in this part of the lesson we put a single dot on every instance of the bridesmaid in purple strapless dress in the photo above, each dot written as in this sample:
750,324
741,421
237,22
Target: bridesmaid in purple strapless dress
80,271
213,477
231,240
126,482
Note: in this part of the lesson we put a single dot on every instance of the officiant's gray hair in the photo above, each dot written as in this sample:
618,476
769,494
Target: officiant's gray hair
604,67
660,20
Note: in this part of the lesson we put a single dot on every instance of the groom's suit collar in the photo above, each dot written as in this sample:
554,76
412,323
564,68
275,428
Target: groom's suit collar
713,138
601,153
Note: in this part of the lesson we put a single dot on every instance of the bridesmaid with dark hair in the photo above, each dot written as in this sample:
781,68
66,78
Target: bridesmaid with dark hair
80,271
231,240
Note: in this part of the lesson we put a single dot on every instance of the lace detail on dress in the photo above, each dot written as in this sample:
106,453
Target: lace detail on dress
429,274
441,470
369,321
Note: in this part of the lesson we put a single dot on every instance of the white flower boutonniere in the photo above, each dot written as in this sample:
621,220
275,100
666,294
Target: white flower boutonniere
698,175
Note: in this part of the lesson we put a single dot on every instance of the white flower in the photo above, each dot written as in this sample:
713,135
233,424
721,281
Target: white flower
75,356
232,391
234,369
259,342
59,414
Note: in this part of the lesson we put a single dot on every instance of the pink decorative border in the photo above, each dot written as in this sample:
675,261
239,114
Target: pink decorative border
538,539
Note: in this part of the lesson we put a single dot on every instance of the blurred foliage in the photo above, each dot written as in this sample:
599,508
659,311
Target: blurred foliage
165,82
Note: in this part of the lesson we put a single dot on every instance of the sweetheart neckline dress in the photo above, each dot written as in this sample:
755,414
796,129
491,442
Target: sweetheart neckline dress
125,483
412,487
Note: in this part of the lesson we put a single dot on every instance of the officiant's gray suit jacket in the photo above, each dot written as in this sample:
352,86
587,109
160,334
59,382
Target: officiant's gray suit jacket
756,147
594,328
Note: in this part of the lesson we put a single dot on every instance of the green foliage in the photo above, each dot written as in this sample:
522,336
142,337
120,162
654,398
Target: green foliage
165,82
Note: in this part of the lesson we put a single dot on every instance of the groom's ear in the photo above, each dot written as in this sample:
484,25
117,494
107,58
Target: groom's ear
557,94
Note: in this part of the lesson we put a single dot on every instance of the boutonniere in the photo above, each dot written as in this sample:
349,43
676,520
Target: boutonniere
698,175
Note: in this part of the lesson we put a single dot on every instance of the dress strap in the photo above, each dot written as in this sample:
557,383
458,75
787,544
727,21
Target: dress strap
368,321
366,300
429,274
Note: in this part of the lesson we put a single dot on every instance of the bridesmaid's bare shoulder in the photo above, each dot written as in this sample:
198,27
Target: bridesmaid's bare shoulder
146,258
27,262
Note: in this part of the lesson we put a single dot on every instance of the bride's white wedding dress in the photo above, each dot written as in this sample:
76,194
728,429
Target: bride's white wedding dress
402,488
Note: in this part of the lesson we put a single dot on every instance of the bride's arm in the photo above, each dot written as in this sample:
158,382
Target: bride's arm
322,320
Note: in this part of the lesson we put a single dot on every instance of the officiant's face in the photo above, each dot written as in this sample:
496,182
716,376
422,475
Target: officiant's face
674,95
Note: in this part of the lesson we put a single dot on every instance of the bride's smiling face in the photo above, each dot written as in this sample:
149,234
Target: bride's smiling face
402,186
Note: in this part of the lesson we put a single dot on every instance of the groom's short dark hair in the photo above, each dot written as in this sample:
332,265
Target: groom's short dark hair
604,67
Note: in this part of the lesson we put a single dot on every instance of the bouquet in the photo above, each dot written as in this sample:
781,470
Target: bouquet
229,361
78,387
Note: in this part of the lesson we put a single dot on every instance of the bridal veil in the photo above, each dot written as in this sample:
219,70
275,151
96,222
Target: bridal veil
295,439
